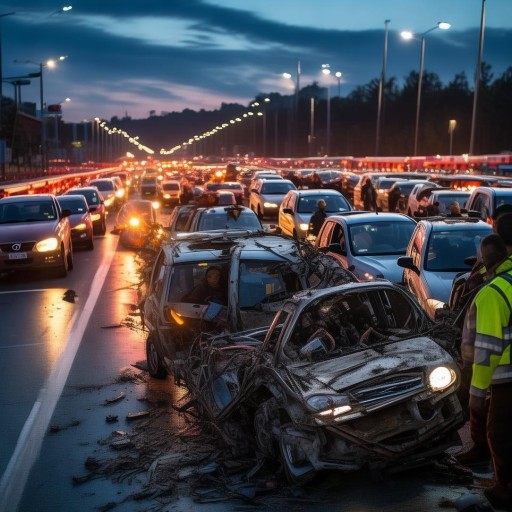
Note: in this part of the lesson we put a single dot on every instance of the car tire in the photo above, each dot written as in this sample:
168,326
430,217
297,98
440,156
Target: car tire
90,244
154,361
70,259
297,468
62,270
103,227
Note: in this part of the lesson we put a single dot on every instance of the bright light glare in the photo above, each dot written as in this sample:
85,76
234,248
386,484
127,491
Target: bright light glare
440,378
443,25
50,244
406,34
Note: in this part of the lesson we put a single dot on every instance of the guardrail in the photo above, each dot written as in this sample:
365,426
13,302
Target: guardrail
54,184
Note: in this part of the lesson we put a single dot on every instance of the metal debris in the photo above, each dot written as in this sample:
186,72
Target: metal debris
116,398
137,415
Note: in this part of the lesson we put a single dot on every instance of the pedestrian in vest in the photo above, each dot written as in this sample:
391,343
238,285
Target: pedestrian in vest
486,341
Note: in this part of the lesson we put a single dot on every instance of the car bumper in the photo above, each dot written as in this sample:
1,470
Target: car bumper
36,260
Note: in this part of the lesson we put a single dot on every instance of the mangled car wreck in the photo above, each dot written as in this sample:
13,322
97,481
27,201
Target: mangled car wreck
256,273
345,378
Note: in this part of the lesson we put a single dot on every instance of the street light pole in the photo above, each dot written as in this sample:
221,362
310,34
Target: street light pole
382,84
477,78
409,35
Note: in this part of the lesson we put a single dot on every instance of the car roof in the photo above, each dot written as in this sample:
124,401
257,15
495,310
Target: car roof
25,198
447,223
315,192
357,217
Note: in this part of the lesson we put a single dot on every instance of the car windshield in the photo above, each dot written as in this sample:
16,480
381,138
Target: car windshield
74,203
334,203
91,196
447,250
27,211
445,200
171,186
276,187
228,219
224,186
103,185
380,238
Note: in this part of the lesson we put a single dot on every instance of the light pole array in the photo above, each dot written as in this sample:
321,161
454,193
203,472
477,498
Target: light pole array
409,35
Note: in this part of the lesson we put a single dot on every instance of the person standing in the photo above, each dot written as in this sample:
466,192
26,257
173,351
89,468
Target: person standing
369,195
486,342
317,219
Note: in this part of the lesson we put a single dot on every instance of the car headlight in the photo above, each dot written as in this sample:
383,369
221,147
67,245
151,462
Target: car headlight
167,196
95,217
304,227
109,201
155,205
270,205
81,227
134,222
120,192
329,405
48,244
441,378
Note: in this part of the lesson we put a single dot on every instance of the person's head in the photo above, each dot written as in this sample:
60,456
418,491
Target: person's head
492,251
455,208
502,225
321,204
213,275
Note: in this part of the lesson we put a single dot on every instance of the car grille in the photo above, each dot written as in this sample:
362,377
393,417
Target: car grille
24,247
389,388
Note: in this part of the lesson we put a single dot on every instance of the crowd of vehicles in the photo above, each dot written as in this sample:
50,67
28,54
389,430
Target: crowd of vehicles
322,351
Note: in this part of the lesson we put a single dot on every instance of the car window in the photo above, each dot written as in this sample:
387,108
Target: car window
76,204
276,187
226,220
265,280
380,238
447,250
417,246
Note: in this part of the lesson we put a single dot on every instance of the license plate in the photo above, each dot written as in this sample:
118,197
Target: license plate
18,256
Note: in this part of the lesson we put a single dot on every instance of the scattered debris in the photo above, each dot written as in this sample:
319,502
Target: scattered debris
137,415
57,428
118,397
113,326
121,444
69,296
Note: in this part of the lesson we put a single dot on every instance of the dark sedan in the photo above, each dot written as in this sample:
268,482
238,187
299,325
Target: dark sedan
96,206
80,220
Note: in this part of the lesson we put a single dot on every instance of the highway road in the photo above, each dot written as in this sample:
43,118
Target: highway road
67,352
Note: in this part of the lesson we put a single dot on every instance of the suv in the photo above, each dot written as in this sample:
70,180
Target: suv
109,190
485,201
436,254
267,195
258,272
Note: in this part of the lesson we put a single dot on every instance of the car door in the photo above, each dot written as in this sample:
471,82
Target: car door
415,250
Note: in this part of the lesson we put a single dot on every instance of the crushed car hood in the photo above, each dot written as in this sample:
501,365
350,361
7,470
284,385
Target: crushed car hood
385,265
342,372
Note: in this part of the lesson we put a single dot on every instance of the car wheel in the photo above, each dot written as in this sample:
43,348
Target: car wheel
90,244
71,263
63,268
154,361
296,465
103,227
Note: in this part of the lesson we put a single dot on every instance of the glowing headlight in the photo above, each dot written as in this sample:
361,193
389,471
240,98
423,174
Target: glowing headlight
441,378
155,205
329,405
167,196
80,227
109,201
270,205
120,192
95,217
368,276
304,227
49,244
134,222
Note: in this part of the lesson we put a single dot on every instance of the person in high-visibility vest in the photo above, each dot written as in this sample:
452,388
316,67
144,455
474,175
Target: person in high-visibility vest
488,331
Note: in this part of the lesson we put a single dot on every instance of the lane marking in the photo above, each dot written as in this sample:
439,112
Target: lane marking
31,437
23,345
28,291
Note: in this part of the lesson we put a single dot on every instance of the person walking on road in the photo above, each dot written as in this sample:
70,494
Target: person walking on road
486,342
369,195
317,219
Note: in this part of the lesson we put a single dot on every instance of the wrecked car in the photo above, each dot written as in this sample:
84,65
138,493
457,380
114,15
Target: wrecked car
345,378
256,273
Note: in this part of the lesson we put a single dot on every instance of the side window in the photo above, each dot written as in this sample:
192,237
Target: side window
417,246
325,234
158,272
336,232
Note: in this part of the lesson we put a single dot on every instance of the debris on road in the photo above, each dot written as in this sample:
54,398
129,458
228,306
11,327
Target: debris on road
116,398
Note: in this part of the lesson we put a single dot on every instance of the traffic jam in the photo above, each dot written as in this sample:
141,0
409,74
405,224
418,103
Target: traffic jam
312,317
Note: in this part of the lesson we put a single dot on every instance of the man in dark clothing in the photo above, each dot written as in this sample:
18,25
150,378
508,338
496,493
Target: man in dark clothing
369,195
317,219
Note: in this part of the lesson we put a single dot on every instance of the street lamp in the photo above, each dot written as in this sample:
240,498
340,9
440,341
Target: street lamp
382,85
296,106
477,78
409,35
50,63
452,124
338,76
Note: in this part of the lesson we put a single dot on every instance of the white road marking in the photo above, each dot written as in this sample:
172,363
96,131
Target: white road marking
31,437
24,291
20,345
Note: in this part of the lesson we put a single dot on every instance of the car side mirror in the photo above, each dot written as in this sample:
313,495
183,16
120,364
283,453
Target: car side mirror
407,262
289,211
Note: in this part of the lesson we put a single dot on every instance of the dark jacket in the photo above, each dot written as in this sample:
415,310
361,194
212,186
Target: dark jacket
317,219
369,196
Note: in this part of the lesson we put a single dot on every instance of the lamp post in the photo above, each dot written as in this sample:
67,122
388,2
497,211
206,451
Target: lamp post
409,35
382,85
477,78
452,124
326,70
295,119
50,63
338,76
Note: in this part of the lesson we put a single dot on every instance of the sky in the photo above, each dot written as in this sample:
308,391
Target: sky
131,57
